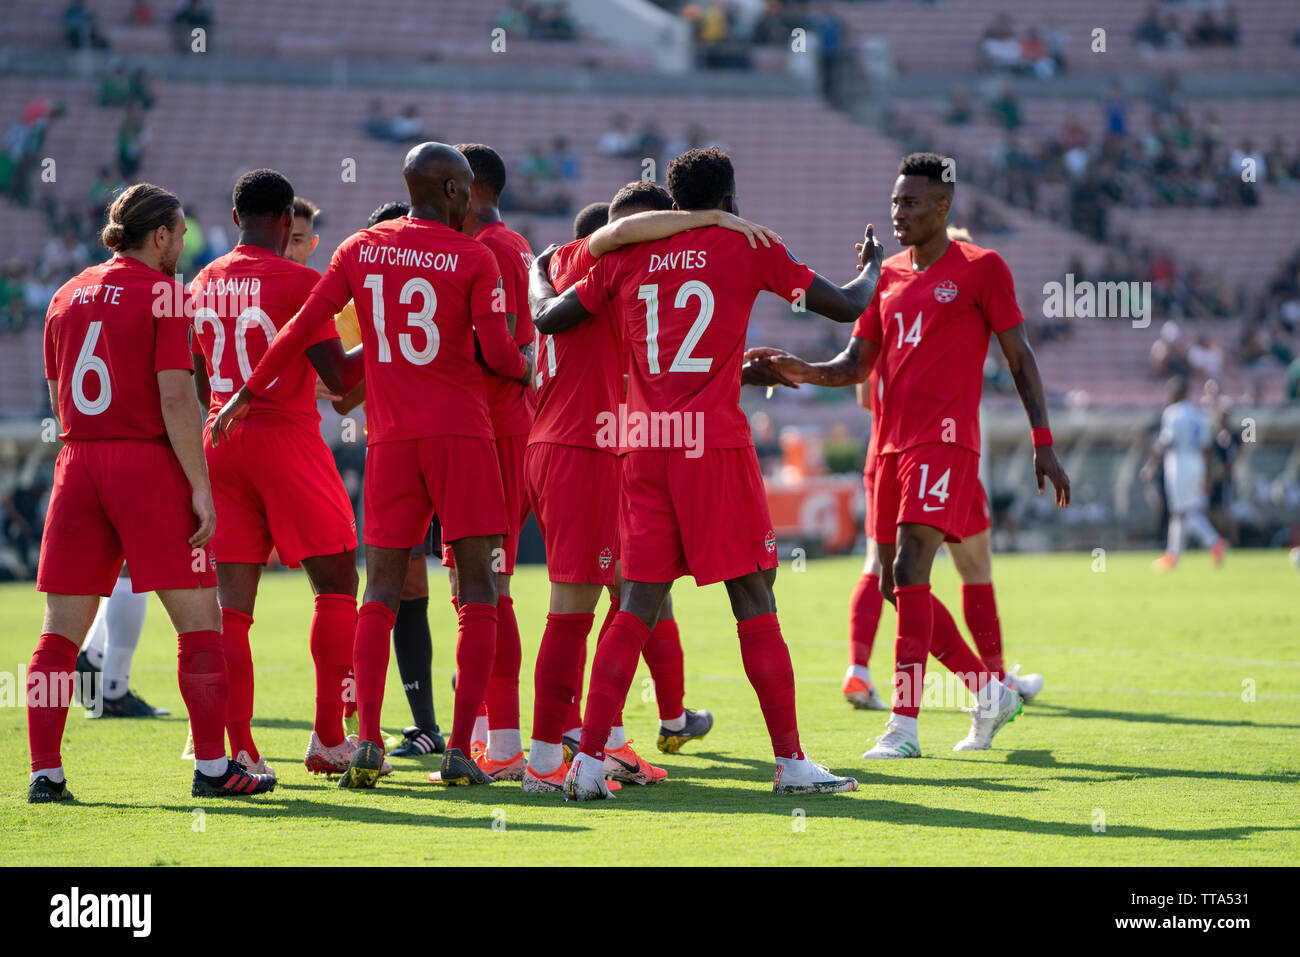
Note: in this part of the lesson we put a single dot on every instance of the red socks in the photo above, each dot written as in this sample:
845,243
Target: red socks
370,664
476,641
49,685
610,615
911,645
239,670
950,650
980,610
663,656
201,673
502,698
864,617
611,676
333,632
557,679
767,665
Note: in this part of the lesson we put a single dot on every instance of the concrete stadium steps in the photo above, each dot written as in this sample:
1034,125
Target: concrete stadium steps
942,37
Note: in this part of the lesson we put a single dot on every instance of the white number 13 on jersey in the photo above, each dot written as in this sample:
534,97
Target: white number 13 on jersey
683,361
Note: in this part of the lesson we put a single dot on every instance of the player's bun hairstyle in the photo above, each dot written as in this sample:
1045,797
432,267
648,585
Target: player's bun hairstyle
262,192
393,210
931,166
137,212
305,209
589,219
701,178
639,196
489,169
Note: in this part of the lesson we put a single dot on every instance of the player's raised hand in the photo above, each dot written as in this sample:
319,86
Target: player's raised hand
230,415
543,260
757,369
870,252
752,231
1046,465
201,502
324,393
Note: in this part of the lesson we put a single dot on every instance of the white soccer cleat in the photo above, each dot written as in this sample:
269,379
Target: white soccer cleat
254,767
795,776
586,780
895,743
996,705
1027,686
327,761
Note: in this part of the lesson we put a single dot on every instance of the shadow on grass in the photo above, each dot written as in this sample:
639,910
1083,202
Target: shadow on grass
1046,759
1147,717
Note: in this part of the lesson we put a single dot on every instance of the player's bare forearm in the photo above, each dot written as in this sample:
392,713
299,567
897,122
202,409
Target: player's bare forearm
339,370
552,313
292,340
846,303
202,387
1024,372
184,422
660,224
53,386
350,401
850,367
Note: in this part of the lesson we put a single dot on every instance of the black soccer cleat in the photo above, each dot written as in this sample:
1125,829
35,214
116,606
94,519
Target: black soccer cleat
45,791
131,705
459,771
698,724
89,680
365,768
237,781
418,743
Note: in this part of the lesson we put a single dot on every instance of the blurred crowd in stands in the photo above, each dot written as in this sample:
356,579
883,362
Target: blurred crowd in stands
82,27
538,21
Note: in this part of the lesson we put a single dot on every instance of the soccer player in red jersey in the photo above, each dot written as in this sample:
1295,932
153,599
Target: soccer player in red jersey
274,481
422,291
510,404
972,557
692,498
130,482
573,480
937,305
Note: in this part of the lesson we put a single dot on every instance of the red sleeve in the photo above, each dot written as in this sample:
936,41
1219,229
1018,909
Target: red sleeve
334,287
598,286
487,307
51,354
310,279
570,263
997,298
868,324
171,340
292,340
781,273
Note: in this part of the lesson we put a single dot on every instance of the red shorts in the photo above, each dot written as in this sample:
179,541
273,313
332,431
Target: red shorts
706,517
116,499
274,484
574,492
977,516
408,480
510,461
926,485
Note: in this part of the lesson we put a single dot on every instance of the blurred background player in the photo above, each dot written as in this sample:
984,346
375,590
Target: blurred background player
429,435
927,454
1184,447
304,238
109,649
129,482
972,557
573,481
274,482
412,643
701,514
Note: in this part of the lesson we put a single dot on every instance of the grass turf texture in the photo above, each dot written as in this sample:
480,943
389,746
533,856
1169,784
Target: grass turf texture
1142,720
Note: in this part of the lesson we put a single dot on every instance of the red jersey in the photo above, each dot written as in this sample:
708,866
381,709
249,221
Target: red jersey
510,401
685,303
579,371
241,301
421,291
108,332
933,328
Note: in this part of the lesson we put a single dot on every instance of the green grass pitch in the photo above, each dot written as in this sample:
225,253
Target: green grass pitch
1170,716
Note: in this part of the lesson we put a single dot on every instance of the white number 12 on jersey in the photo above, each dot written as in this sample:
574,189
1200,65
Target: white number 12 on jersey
683,361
